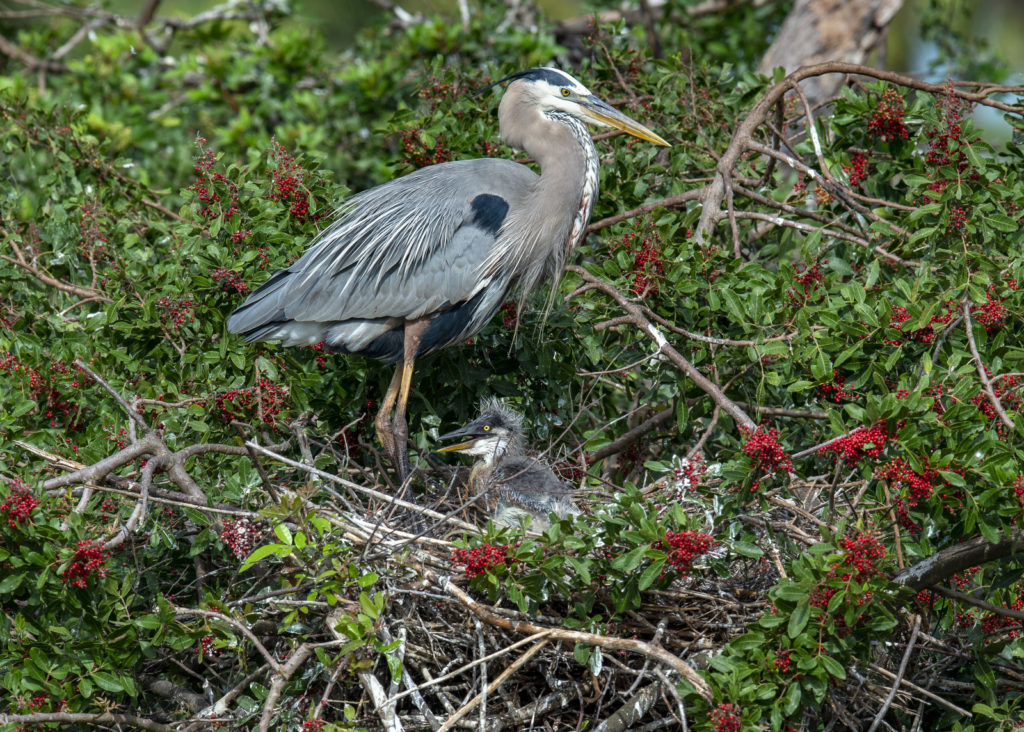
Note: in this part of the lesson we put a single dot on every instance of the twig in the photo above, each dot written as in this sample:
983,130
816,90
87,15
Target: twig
952,594
361,489
643,324
184,612
282,674
575,636
945,563
924,692
512,668
133,414
985,383
669,202
899,675
472,664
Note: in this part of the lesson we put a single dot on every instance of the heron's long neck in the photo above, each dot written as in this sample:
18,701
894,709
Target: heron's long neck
552,220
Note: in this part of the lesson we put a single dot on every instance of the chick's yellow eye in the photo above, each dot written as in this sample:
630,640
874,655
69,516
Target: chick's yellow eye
565,92
487,428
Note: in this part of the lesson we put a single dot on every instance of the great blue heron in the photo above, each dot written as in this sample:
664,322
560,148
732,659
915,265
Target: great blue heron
423,262
513,485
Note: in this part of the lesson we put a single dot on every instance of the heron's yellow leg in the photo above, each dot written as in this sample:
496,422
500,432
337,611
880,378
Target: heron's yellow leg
399,425
382,423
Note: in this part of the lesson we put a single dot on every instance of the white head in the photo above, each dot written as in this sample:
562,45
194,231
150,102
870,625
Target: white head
497,432
549,91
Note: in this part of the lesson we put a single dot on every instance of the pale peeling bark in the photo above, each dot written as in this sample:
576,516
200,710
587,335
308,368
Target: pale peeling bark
816,31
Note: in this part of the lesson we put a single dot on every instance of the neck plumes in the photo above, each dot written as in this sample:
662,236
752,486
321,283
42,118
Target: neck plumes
540,233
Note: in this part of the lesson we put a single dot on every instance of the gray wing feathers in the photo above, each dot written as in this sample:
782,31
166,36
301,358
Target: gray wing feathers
402,249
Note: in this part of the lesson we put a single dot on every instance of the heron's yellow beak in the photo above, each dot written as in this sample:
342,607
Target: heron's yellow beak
602,113
457,447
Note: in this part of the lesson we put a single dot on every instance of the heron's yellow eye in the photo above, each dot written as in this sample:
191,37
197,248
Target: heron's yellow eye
487,428
565,92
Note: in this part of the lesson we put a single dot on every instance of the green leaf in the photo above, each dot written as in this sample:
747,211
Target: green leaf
953,478
10,583
798,620
284,534
262,552
746,549
630,560
1001,222
834,668
106,681
651,574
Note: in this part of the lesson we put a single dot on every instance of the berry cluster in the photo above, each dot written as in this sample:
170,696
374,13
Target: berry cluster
92,246
118,437
313,725
240,536
782,662
230,281
419,154
807,280
479,559
648,268
727,718
44,389
860,444
836,391
916,486
991,314
682,547
263,402
321,359
511,315
993,622
900,315
176,312
208,649
1006,391
437,91
958,218
209,182
688,473
17,507
290,184
947,147
763,448
87,559
863,552
887,120
1018,490
858,169
572,469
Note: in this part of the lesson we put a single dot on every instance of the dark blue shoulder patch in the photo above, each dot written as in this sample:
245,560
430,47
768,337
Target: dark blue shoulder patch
489,212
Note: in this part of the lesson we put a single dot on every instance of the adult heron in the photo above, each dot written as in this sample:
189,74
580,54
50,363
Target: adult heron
513,485
423,262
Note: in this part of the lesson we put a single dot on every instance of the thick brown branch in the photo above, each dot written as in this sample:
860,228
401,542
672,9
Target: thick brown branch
648,425
91,719
944,564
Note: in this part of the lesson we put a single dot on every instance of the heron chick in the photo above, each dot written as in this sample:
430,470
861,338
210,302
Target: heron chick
513,485
424,261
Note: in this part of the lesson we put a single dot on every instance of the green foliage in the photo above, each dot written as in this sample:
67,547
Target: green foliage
147,191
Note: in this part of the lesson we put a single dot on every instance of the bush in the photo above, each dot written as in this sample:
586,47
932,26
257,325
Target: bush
791,394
